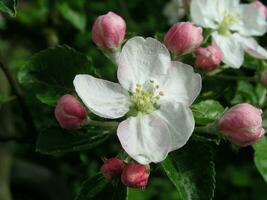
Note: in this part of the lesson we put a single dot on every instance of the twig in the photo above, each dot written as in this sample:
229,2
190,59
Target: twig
24,108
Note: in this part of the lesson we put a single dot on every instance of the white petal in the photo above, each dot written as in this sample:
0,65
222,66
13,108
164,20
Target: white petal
253,48
252,21
180,121
204,13
149,138
104,98
233,53
181,84
145,138
141,60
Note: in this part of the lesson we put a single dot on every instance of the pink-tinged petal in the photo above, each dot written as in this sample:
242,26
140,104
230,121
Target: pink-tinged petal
104,98
205,13
145,138
141,60
232,50
252,21
251,46
181,84
149,138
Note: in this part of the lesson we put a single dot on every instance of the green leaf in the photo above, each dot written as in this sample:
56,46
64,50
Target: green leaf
5,99
260,157
9,7
50,73
207,111
47,99
57,140
245,92
77,19
191,170
261,94
120,191
92,187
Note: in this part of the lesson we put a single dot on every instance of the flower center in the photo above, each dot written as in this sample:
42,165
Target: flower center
144,98
226,23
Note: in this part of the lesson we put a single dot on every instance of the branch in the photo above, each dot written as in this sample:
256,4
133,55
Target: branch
24,108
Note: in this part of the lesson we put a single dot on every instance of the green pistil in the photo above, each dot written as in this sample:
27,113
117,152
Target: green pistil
144,101
227,22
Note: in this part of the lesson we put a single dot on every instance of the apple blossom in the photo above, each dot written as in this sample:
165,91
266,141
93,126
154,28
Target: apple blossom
183,38
242,124
234,25
112,168
69,112
135,175
208,58
108,31
154,93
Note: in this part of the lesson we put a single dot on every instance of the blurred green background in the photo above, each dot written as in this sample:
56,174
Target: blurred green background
40,24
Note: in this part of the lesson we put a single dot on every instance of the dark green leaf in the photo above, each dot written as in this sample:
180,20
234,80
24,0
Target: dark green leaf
5,99
92,187
245,92
47,99
260,157
9,7
261,94
207,111
57,140
120,191
191,170
50,73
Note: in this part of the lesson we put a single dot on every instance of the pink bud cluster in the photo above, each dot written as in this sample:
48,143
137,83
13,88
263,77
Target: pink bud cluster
69,112
132,175
242,124
183,38
208,58
108,31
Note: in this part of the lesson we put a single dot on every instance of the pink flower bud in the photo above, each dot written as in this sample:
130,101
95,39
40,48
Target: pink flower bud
208,58
242,124
112,168
264,77
135,175
260,5
69,112
108,30
183,38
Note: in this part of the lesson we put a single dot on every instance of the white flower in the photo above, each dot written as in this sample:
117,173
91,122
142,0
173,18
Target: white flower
174,10
154,93
234,26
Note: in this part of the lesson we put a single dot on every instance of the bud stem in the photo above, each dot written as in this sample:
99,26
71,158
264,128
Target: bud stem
208,129
91,122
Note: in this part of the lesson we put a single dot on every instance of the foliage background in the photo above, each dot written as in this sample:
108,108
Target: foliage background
40,24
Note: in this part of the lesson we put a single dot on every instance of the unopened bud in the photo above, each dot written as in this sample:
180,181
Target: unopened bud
242,124
135,175
183,38
112,168
69,112
108,31
208,58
